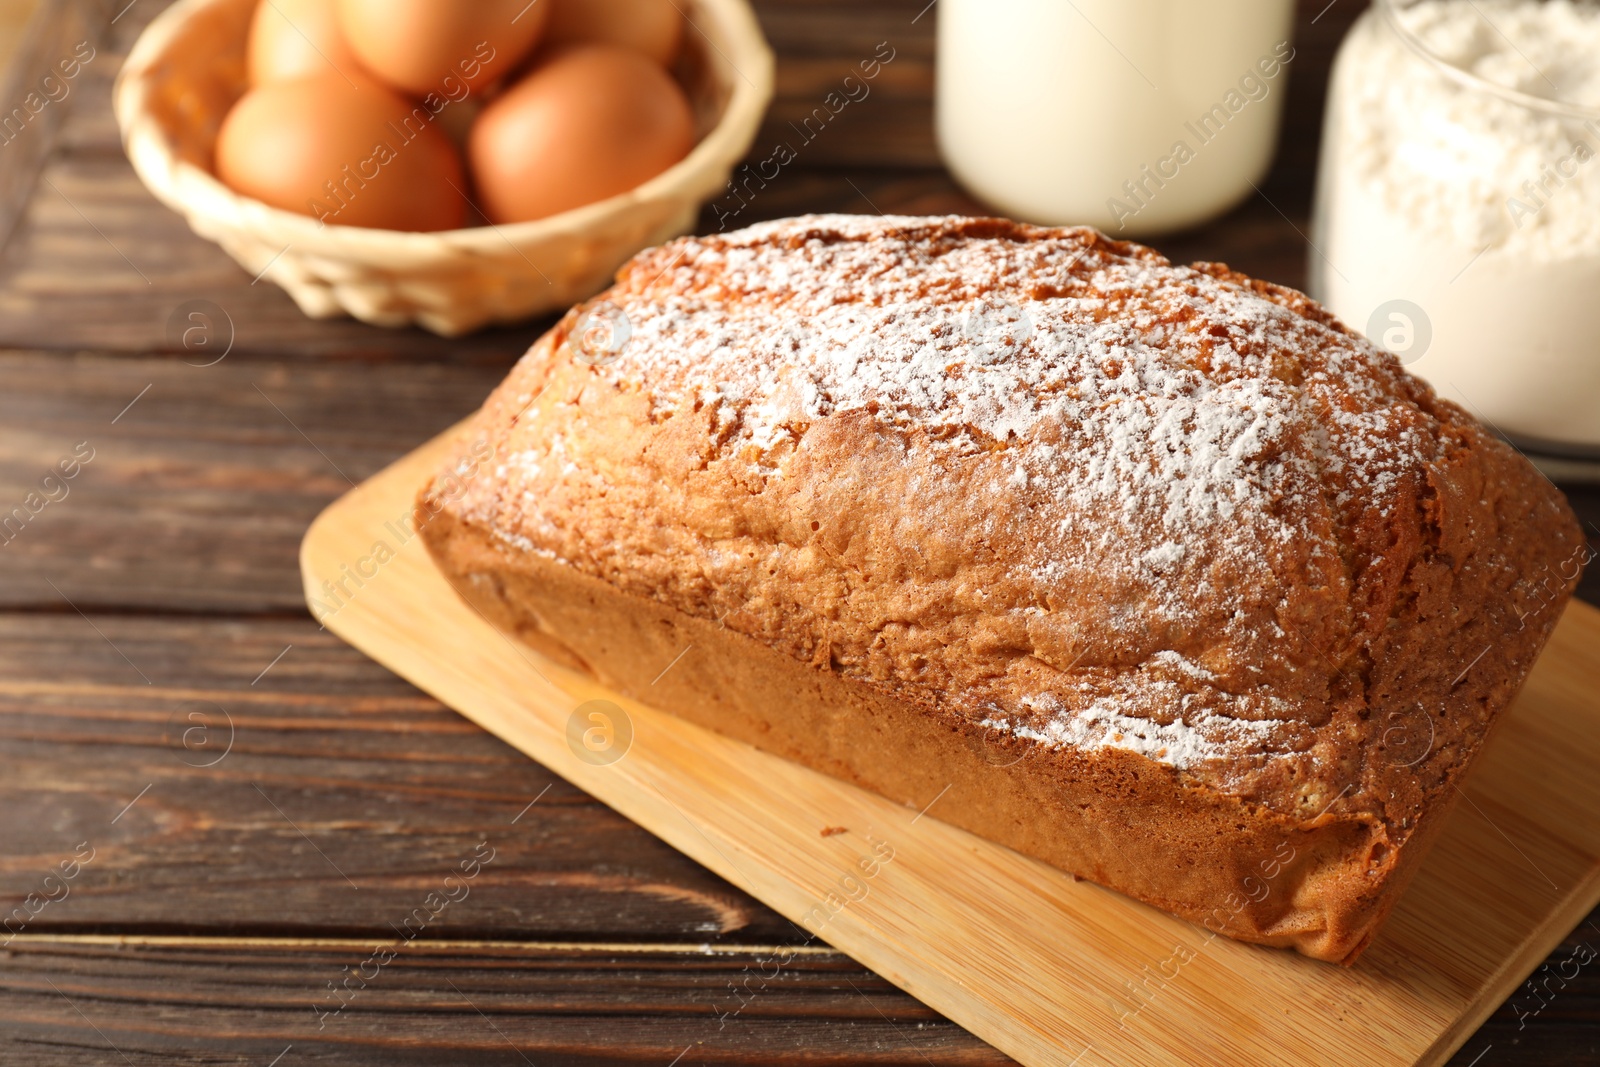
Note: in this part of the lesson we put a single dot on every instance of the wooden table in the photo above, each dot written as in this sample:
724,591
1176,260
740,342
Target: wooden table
244,805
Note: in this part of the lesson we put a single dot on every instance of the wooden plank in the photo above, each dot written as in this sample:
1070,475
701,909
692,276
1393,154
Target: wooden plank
1550,1019
249,733
186,1000
36,93
1021,954
191,1001
202,478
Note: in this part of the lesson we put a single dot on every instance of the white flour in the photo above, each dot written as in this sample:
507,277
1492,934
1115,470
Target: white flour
1481,212
1466,164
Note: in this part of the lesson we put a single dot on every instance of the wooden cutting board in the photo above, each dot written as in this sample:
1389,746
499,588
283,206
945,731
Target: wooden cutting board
1048,970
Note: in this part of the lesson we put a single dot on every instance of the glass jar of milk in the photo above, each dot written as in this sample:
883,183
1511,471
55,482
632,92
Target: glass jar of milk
1457,218
1136,116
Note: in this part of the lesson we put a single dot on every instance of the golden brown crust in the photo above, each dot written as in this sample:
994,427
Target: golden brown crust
1237,587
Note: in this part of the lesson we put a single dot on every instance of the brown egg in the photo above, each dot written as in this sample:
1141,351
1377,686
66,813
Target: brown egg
652,27
349,154
592,122
294,38
441,46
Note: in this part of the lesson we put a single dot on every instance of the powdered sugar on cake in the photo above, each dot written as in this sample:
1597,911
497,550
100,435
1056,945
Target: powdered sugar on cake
1179,744
1172,459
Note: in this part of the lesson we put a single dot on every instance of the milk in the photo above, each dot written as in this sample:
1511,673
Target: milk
1136,116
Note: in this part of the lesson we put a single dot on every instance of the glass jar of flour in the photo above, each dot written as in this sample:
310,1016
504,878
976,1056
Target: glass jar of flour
1136,116
1457,219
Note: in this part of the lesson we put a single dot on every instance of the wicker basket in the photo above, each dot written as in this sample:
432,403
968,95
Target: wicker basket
187,69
